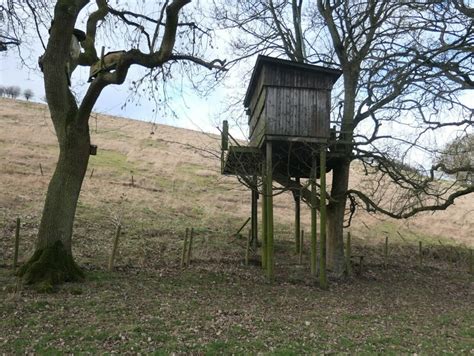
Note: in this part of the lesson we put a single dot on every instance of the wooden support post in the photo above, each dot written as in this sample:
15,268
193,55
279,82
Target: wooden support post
17,243
314,221
247,249
323,282
242,226
114,247
224,142
264,220
297,197
348,254
269,180
185,243
254,215
190,247
301,246
420,253
225,136
385,252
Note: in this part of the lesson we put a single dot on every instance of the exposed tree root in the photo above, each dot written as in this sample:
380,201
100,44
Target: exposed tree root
49,267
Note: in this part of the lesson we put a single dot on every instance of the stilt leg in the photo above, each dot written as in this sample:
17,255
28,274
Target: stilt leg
297,197
264,219
314,238
254,217
322,235
269,179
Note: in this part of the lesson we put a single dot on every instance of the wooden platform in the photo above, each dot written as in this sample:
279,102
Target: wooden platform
291,159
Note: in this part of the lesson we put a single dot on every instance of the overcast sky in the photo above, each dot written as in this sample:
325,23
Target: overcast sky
192,111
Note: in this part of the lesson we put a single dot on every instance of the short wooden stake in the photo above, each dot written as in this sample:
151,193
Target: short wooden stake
420,252
190,247
471,263
133,182
17,243
301,246
92,173
385,252
41,170
247,248
348,254
114,248
185,242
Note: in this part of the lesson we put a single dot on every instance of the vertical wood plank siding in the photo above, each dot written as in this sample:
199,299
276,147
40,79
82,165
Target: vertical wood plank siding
289,102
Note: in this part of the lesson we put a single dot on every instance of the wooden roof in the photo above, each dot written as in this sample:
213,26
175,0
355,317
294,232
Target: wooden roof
262,60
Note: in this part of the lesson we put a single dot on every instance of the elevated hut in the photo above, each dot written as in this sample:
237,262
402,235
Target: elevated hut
288,108
289,102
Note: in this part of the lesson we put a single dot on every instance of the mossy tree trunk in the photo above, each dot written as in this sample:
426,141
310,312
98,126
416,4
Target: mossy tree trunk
52,261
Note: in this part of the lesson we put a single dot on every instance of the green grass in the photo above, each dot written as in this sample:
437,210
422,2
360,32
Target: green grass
111,160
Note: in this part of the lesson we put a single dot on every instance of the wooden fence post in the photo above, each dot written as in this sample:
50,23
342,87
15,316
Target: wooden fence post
420,248
247,248
17,243
114,248
471,263
348,254
185,242
301,246
190,246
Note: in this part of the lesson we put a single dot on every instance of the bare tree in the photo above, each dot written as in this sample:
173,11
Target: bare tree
12,91
160,44
28,94
405,65
9,25
457,159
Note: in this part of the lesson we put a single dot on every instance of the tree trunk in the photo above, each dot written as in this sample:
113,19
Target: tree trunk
340,178
52,261
335,214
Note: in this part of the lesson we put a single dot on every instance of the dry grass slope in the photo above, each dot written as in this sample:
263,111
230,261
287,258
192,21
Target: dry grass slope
217,305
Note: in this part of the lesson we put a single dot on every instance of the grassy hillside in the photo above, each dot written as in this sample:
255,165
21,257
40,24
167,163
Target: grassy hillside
217,305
